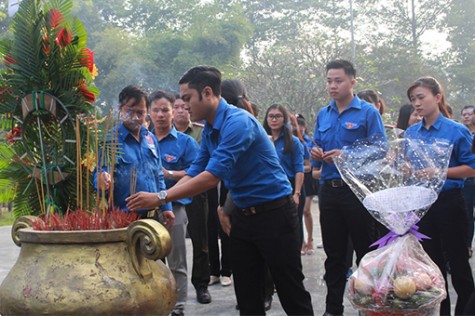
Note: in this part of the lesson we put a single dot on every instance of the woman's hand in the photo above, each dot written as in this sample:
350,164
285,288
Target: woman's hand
296,197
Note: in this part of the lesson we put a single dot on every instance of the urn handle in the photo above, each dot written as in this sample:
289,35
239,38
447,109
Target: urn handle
147,239
20,223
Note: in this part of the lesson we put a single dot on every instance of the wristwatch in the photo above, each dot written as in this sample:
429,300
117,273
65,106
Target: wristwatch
162,197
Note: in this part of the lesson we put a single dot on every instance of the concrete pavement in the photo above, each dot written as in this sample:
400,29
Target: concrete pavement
223,299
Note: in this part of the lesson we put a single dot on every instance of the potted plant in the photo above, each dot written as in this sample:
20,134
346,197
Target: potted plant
78,255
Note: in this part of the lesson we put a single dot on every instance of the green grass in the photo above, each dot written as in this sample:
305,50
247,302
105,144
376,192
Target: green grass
6,218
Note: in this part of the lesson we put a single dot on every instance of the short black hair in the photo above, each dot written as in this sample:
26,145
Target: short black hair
159,94
342,64
468,107
133,92
200,77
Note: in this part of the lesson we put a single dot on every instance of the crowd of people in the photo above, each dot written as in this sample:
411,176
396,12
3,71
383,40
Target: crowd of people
205,166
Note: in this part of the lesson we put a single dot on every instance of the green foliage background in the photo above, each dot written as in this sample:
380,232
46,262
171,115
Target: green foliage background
279,48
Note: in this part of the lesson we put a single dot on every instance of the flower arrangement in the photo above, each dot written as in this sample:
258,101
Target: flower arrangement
47,93
397,182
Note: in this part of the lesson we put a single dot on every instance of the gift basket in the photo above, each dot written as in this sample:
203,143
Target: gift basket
397,182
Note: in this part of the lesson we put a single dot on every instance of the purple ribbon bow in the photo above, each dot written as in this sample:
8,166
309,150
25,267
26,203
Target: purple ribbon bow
391,236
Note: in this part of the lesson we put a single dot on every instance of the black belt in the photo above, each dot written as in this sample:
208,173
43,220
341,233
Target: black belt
336,183
253,210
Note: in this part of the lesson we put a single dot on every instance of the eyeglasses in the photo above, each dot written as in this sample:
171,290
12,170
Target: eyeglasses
275,117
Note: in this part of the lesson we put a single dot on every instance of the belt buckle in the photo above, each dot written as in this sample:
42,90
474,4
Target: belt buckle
248,211
337,183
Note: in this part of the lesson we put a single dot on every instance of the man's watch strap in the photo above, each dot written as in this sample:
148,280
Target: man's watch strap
162,197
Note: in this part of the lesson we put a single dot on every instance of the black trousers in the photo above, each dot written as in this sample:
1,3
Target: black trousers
342,216
446,224
218,266
469,196
300,207
271,238
197,212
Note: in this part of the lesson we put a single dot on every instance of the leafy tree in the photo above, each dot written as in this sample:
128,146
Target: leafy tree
292,74
405,22
4,18
152,43
461,60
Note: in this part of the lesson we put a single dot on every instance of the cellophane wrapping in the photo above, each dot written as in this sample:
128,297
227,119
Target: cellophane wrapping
397,182
399,279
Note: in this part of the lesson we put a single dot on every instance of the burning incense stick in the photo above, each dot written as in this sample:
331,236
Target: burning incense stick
133,179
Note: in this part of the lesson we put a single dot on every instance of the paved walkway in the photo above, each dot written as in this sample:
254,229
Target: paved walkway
224,300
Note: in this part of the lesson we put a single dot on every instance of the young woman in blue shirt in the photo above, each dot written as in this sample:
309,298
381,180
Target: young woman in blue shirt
289,148
446,221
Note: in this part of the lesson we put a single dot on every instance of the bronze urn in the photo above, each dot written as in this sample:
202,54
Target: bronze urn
99,272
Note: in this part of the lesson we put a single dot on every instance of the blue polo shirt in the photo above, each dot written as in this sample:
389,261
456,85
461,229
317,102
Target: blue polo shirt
144,157
292,162
333,130
456,134
177,151
237,150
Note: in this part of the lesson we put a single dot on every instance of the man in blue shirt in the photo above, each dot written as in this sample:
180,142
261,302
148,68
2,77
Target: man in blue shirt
197,211
178,151
137,158
236,149
342,122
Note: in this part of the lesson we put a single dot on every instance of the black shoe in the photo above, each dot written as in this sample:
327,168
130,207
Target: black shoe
268,303
203,296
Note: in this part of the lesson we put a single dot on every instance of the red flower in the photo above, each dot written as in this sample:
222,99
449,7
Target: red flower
88,95
15,133
87,58
54,17
64,38
9,60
